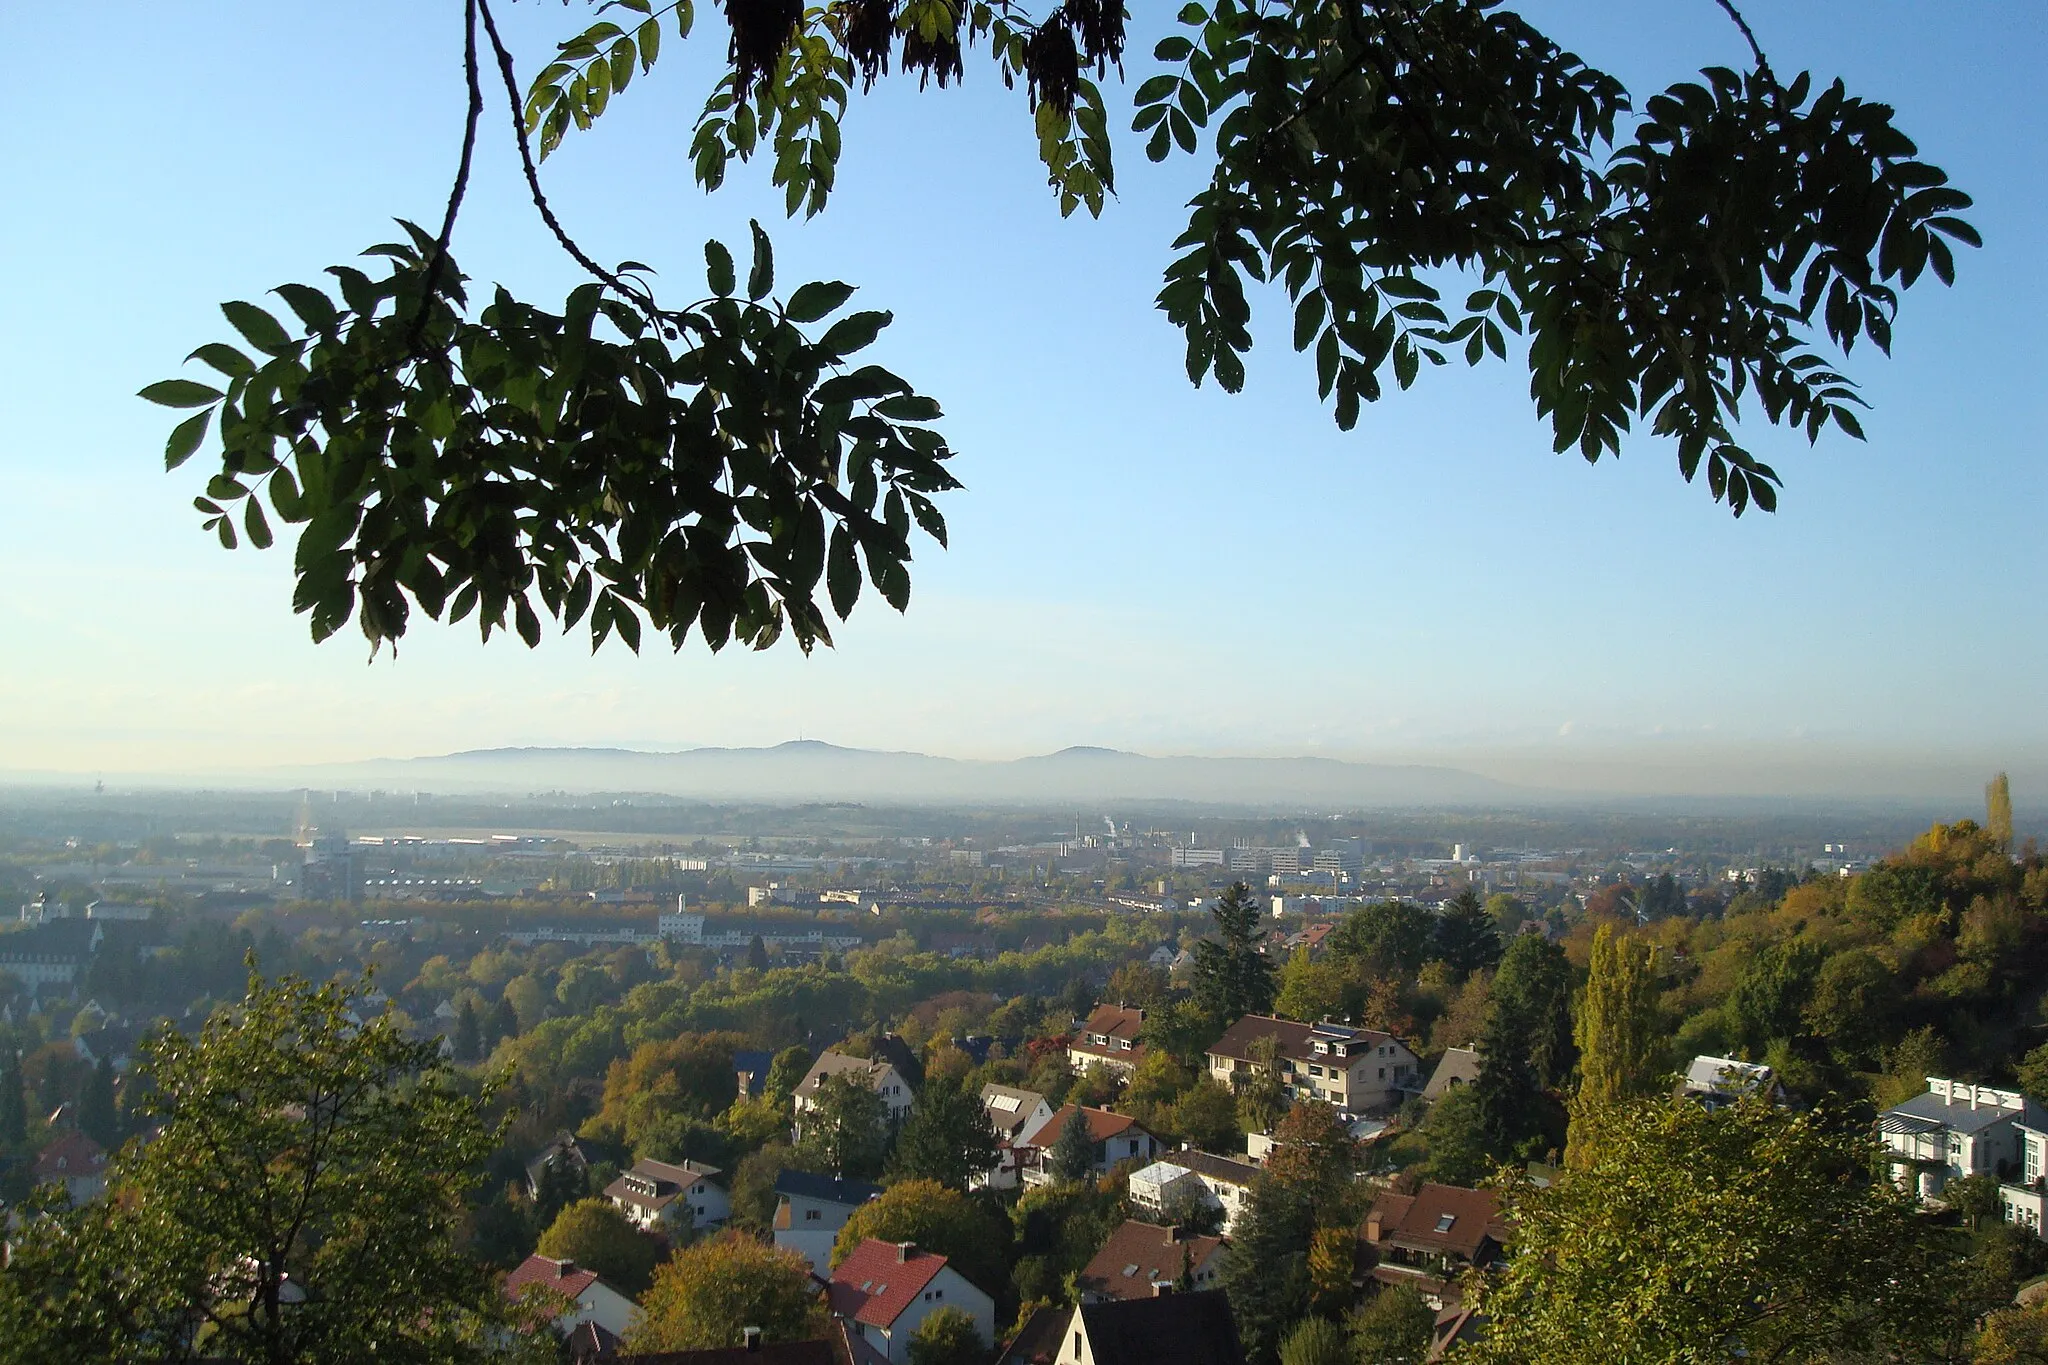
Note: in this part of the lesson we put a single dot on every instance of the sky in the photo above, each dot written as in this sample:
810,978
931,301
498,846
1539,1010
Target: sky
1136,563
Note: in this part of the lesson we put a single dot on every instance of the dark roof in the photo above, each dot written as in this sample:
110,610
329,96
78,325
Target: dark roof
754,1066
1175,1329
1038,1342
1215,1167
1139,1257
1296,1039
831,1189
1961,1116
768,1353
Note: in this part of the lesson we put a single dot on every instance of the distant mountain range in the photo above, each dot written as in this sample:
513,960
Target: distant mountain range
809,770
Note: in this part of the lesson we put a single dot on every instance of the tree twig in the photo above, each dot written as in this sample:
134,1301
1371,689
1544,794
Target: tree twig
638,296
1763,63
461,186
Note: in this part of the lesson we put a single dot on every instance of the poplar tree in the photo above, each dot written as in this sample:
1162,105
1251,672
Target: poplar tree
13,1106
1998,810
1621,1046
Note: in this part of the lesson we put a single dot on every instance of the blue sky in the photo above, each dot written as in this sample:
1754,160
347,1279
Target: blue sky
1135,563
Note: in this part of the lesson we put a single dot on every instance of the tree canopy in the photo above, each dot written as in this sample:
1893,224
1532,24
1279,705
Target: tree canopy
707,1294
1680,261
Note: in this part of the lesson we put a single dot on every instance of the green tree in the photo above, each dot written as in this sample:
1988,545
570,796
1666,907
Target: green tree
1266,1275
1457,1139
947,1138
1310,990
597,1236
753,1185
947,1337
1532,999
1620,1037
98,1118
1072,1154
504,1019
1316,1341
1511,1108
1853,999
1392,1327
1232,977
707,1294
469,1043
1975,1197
1770,997
1391,938
844,1128
1365,148
1207,1116
1744,1232
1466,938
787,1071
300,1202
937,1219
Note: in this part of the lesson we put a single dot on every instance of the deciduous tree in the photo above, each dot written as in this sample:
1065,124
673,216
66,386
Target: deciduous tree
947,1337
596,1236
947,1138
1748,1232
705,1295
937,1219
1621,1042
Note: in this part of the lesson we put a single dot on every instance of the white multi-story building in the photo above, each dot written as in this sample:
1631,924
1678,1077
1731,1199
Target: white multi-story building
1956,1129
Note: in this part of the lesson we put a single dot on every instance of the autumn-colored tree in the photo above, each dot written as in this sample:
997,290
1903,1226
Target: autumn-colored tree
937,1219
1312,1151
597,1236
1385,1010
705,1295
1620,1037
689,1077
1331,1253
1998,810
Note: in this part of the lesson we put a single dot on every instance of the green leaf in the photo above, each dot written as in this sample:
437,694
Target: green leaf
262,331
253,521
718,271
816,299
854,332
180,393
185,438
224,358
761,279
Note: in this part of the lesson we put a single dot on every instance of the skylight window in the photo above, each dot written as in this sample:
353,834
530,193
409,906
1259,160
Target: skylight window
1444,1221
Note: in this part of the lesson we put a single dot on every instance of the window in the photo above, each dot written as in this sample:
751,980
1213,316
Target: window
811,1215
1383,1073
1444,1221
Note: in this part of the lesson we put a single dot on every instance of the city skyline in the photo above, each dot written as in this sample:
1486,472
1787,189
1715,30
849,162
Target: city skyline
1136,564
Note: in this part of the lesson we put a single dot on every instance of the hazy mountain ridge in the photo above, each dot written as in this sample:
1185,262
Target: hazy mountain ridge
814,770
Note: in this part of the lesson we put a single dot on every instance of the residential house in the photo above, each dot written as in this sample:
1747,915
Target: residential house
2024,1199
1166,1187
751,1068
1162,957
114,1044
1016,1115
76,1162
584,1297
885,1289
1144,1260
1459,1066
1717,1082
810,1210
1954,1129
888,1081
1175,1329
658,1195
565,1151
1113,1138
1429,1239
1108,1037
1356,1069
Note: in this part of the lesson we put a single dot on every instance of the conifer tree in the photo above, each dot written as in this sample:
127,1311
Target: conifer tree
1232,977
1621,1046
1072,1156
469,1042
97,1117
13,1105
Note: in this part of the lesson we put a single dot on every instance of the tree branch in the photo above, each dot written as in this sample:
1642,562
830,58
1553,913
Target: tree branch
1763,63
461,186
638,296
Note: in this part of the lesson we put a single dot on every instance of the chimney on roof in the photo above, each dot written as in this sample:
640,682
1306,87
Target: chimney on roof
1372,1229
1973,1094
564,1269
904,1251
1176,1233
751,1338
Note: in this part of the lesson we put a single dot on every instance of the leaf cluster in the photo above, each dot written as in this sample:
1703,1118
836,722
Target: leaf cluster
711,467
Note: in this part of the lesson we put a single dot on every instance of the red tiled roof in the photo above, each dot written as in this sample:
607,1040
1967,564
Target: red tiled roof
70,1157
563,1277
1139,1256
881,1279
1102,1125
1440,1218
